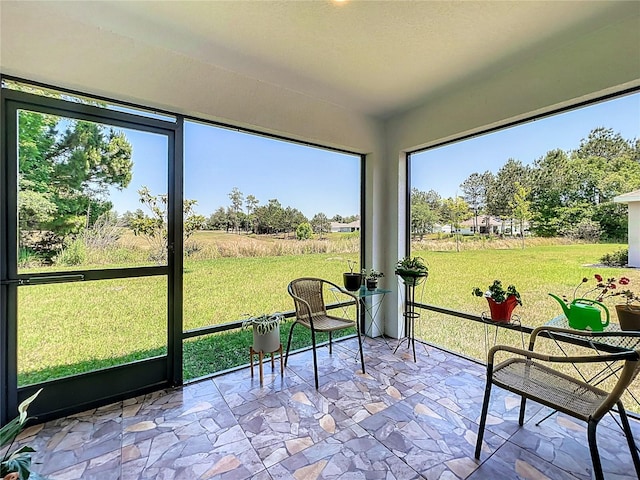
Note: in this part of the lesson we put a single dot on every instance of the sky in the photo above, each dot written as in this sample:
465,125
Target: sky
315,180
443,169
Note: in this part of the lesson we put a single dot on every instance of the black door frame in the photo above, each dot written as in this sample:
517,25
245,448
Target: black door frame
79,392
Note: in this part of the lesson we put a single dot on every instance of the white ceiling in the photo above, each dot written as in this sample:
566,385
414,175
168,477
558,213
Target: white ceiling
377,58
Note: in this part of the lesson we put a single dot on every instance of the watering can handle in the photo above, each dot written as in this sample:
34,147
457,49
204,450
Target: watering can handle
588,300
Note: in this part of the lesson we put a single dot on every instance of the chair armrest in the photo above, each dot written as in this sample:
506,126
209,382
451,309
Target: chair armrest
550,330
612,357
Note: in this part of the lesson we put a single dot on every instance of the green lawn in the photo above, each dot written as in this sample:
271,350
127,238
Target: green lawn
75,327
535,271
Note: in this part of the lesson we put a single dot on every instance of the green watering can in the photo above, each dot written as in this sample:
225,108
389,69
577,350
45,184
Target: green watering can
583,314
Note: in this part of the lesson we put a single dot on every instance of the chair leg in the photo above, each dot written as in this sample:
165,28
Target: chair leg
483,415
523,406
360,346
286,357
315,359
593,449
629,434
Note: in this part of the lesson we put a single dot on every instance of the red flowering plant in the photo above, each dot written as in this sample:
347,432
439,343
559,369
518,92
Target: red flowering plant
606,288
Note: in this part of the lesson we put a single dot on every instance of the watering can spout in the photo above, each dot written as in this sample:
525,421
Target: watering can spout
564,306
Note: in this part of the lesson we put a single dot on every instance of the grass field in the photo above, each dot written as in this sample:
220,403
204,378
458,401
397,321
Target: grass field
94,324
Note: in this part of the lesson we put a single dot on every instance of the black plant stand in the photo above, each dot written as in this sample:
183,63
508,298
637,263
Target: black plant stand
410,316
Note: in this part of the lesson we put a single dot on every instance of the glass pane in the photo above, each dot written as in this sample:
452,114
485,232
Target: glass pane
269,210
90,196
71,328
533,206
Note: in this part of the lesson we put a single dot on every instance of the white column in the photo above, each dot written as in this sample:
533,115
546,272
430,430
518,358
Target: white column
634,234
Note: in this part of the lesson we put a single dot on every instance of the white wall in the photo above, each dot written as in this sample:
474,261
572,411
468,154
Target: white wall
634,234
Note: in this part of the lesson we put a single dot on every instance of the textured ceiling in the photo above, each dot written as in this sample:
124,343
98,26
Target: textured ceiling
378,58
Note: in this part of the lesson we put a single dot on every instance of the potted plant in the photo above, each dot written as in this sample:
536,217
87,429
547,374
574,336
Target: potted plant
266,331
16,465
371,277
501,302
628,313
352,281
412,270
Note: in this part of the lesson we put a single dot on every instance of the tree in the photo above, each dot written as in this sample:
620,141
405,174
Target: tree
474,190
237,198
269,218
431,198
70,171
521,207
292,217
218,220
320,224
455,210
154,226
425,211
503,188
251,203
423,219
550,187
604,143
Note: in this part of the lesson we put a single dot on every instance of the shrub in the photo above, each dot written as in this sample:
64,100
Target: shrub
616,259
73,254
304,231
585,230
27,258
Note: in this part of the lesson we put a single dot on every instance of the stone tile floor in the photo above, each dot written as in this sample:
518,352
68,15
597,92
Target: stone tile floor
400,420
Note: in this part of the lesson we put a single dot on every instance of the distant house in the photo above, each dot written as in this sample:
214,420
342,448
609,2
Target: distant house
339,227
493,225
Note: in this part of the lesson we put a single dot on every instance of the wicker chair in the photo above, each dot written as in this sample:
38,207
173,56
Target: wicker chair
530,375
311,313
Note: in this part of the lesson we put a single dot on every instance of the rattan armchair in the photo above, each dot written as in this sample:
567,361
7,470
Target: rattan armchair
311,313
532,376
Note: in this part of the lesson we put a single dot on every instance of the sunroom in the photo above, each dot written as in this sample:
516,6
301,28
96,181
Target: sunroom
372,83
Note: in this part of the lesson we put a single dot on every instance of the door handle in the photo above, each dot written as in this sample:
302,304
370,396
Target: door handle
51,279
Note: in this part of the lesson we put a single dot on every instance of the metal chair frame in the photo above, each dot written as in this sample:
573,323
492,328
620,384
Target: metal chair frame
530,375
311,313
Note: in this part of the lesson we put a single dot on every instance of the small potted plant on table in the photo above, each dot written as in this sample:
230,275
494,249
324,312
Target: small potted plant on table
352,281
501,302
371,277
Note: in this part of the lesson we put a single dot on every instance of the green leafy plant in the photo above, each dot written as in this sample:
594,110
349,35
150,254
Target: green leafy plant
411,264
264,323
17,461
619,258
498,293
372,274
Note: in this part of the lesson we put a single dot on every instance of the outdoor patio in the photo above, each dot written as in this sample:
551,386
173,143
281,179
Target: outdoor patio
402,420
